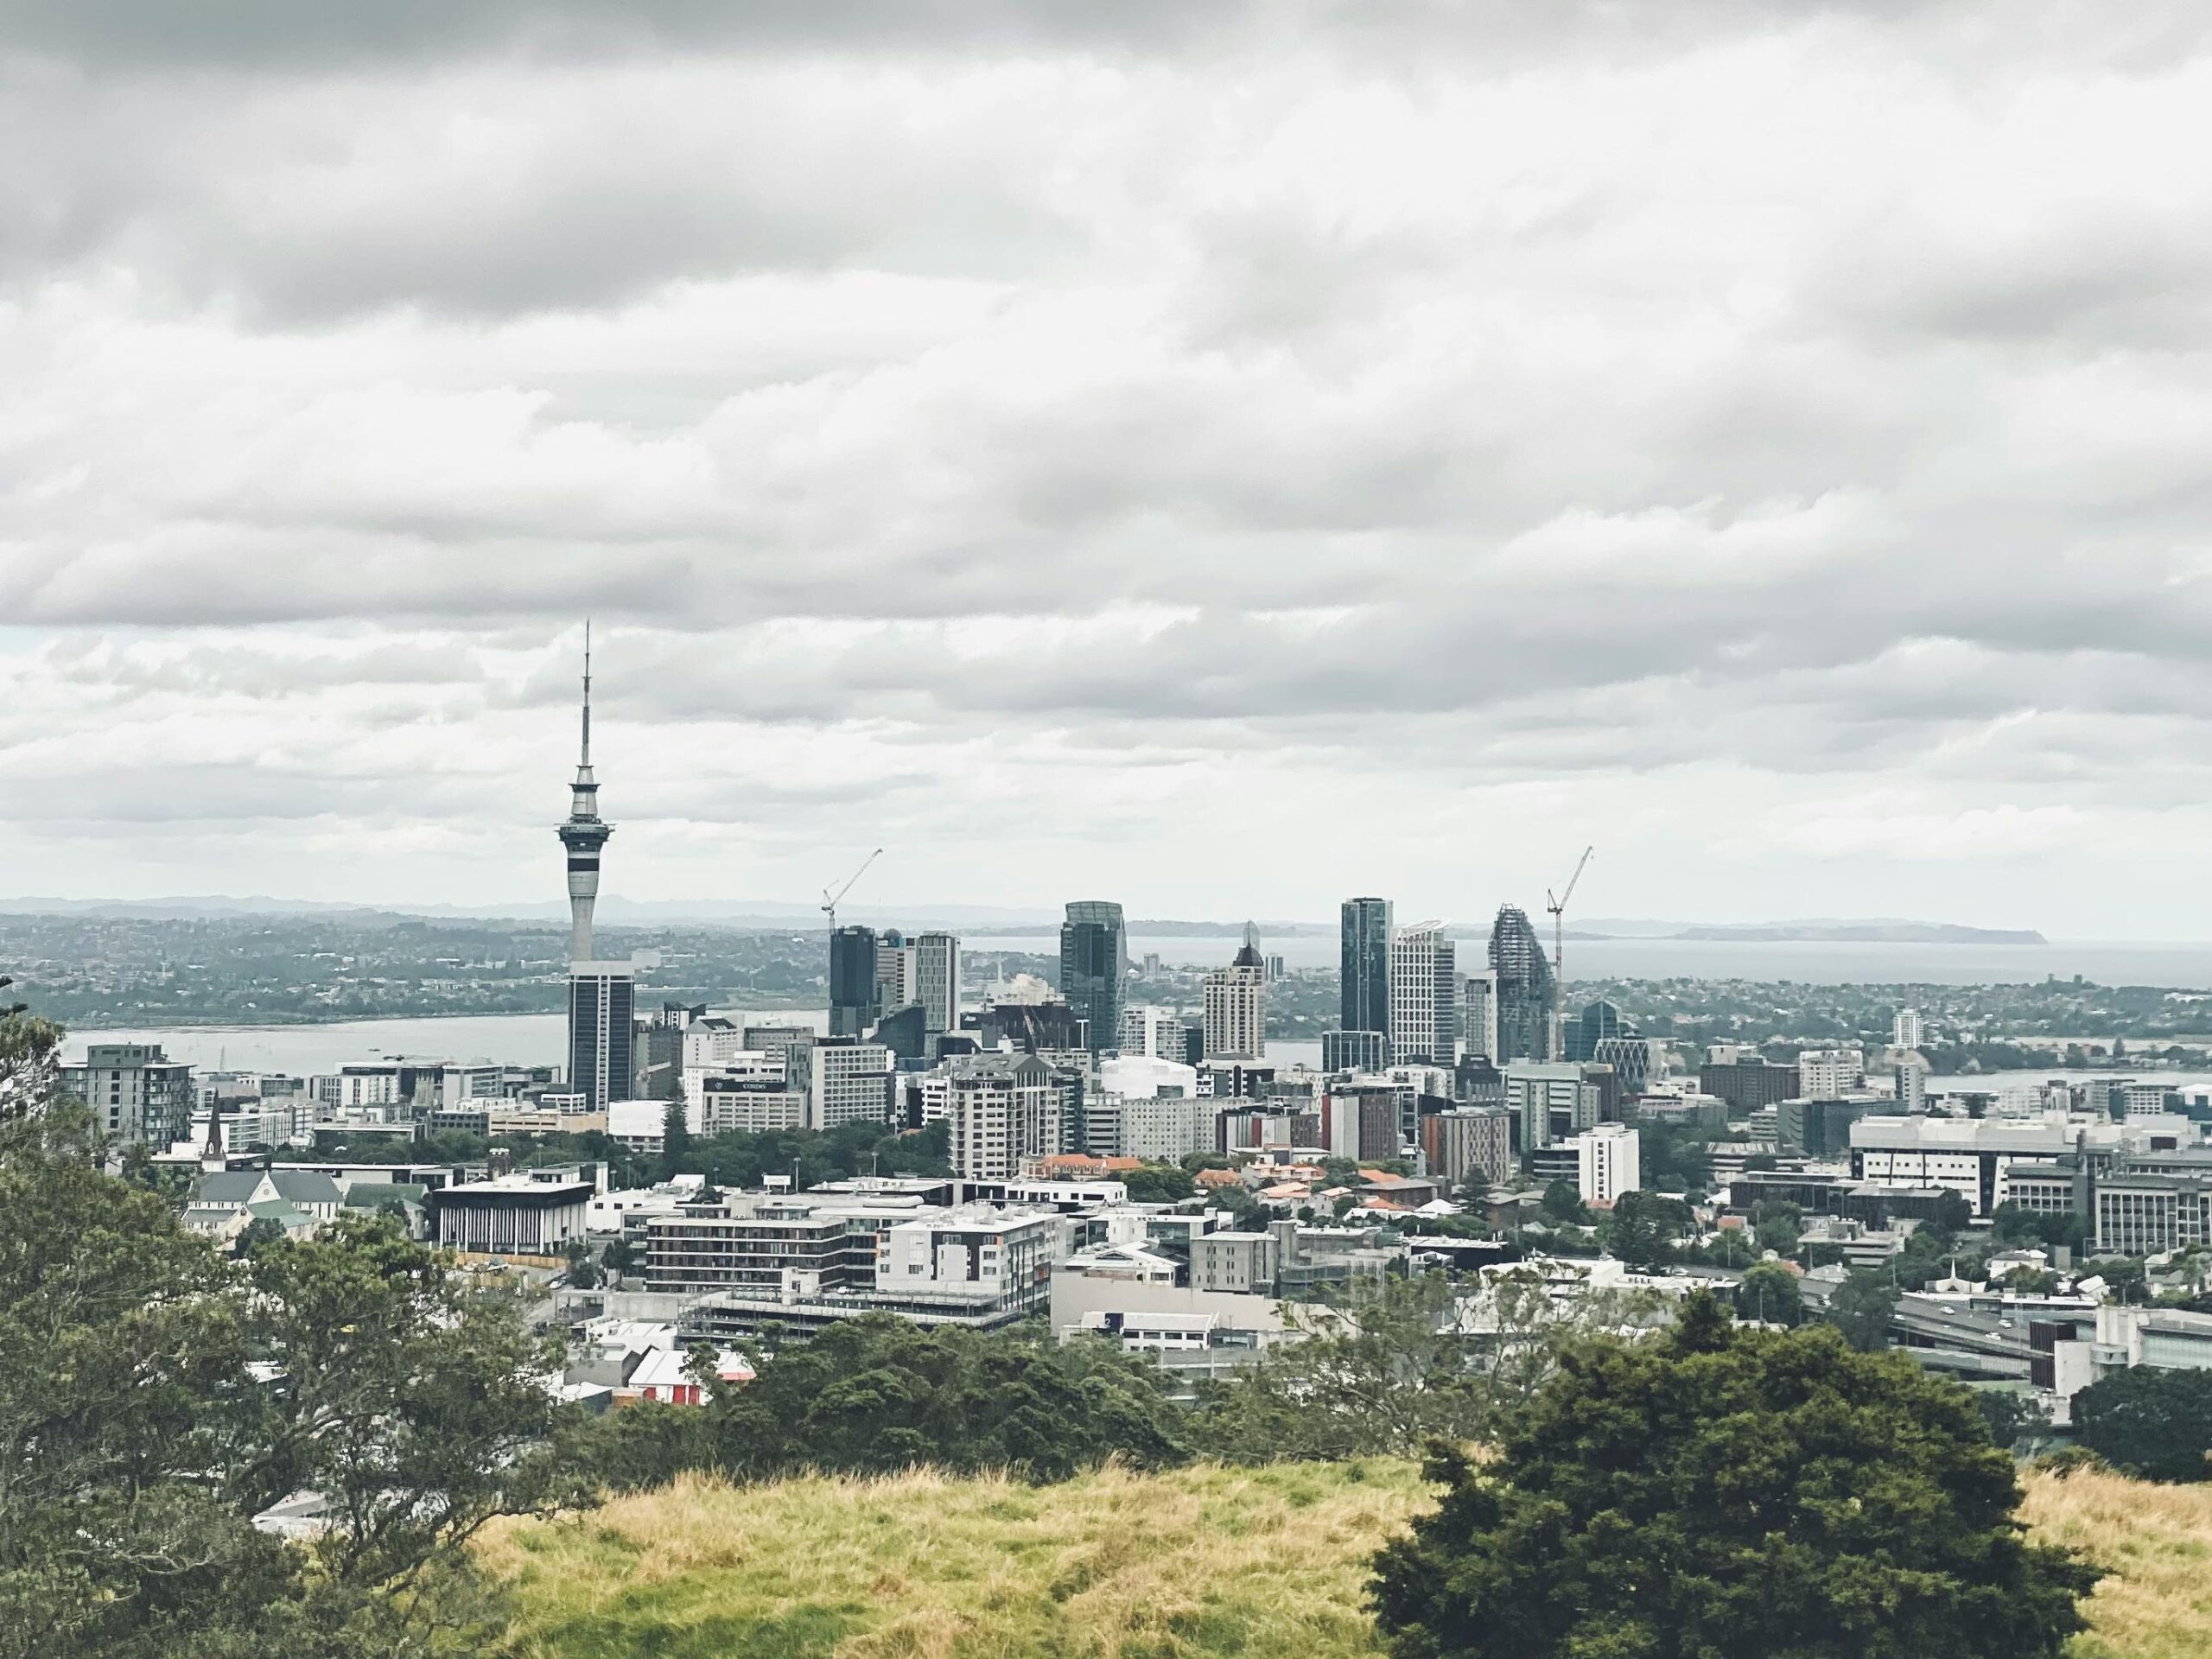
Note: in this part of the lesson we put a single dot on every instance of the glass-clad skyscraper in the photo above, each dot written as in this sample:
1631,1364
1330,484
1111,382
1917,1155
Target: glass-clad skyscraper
1094,967
853,1006
1365,963
1527,998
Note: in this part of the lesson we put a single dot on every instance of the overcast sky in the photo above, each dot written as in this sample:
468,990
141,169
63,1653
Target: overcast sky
1217,456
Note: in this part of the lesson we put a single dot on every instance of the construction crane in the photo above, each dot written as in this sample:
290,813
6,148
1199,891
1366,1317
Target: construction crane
1557,906
829,899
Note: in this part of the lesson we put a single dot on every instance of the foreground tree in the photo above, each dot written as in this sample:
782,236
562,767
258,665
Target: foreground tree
874,1396
156,1396
1718,1492
1862,1306
2155,1423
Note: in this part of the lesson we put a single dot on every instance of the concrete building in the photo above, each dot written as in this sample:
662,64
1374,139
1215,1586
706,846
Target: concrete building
1149,1030
850,1083
1479,1014
1001,1111
732,1066
1424,995
1236,1007
514,1214
1747,1082
1607,1162
1906,1030
739,1105
135,1091
1549,1100
1469,1146
1830,1073
936,975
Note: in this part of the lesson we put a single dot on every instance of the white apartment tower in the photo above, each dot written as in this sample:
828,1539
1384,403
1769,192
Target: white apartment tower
1607,1162
1424,996
1001,1112
1236,1005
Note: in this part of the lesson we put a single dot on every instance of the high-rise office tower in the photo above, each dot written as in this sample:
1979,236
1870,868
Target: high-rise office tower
602,995
1527,997
854,1009
1478,1014
934,980
1597,1020
1364,965
894,971
1424,996
1094,967
1235,1005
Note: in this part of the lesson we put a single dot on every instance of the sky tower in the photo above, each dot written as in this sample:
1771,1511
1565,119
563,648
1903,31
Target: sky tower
602,995
583,833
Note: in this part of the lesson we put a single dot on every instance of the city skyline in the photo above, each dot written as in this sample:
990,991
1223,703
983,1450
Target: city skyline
1469,425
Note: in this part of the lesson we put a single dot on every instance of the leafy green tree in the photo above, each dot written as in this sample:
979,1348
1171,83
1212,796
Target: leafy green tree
877,1394
1861,1307
1563,1203
2155,1423
1721,1492
260,1232
1770,1293
1730,1247
411,1402
1158,1184
2010,1416
1380,1368
119,1349
675,1140
31,1064
1776,1225
583,1271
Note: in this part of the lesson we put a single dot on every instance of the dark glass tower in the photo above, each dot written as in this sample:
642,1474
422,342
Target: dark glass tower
1094,967
853,1006
1365,965
1527,998
1597,1021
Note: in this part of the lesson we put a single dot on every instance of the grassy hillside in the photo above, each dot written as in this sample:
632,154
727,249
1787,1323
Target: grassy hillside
1199,1563
2156,1541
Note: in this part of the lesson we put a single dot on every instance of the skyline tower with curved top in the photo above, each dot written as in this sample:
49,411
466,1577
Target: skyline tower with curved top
1527,996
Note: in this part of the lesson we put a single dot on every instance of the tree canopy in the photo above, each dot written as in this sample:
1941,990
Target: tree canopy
156,1396
2151,1422
1721,1492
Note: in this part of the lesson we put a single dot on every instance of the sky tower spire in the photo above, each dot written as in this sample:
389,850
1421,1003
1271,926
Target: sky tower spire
583,833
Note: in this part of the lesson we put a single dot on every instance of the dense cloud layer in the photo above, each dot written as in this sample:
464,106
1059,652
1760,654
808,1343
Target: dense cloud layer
1226,455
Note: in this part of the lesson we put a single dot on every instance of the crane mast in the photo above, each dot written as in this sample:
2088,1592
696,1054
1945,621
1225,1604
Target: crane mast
829,900
1557,906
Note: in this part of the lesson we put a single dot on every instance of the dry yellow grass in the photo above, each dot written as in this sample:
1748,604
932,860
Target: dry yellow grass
1258,1563
1207,1560
2155,1542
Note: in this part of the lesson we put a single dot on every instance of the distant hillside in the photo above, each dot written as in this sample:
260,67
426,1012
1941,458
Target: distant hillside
1263,1563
